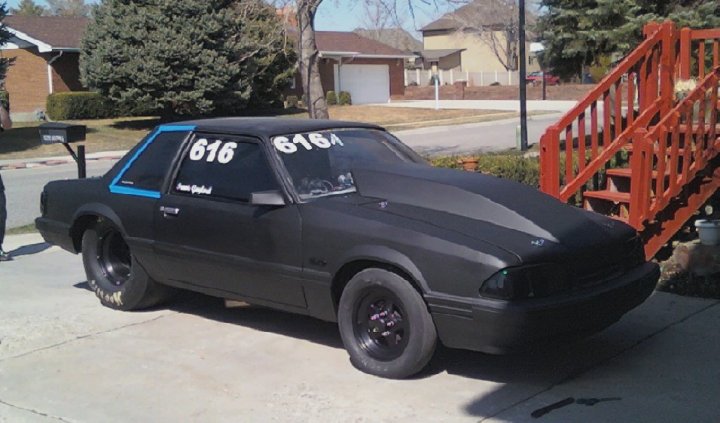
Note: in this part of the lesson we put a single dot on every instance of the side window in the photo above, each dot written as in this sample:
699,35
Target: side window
153,160
224,167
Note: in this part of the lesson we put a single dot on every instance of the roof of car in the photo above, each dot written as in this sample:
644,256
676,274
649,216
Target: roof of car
269,126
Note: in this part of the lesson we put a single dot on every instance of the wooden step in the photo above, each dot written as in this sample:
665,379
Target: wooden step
629,149
626,172
609,203
615,197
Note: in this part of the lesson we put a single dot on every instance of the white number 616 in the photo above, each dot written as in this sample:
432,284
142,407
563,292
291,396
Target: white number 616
223,154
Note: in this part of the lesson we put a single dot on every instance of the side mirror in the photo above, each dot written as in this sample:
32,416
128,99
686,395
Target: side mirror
267,198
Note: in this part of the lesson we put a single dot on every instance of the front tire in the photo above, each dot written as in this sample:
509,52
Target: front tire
385,325
114,273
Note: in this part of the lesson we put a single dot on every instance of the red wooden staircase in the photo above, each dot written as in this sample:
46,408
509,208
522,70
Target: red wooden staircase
636,150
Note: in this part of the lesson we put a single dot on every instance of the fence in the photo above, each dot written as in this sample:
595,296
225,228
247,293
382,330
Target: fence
423,77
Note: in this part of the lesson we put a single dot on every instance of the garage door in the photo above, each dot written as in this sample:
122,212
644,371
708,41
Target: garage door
365,83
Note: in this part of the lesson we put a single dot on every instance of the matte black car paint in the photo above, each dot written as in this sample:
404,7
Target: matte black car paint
446,230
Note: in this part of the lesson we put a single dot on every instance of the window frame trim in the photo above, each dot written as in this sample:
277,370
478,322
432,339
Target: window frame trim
115,186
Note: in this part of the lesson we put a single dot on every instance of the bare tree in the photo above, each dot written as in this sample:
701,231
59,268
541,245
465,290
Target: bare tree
68,7
309,63
309,59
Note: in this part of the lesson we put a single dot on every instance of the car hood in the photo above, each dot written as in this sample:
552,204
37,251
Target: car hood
509,215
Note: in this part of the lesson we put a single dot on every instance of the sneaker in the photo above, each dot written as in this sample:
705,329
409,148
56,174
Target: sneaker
4,256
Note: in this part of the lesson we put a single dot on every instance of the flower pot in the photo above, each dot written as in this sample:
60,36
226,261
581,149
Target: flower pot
709,231
470,164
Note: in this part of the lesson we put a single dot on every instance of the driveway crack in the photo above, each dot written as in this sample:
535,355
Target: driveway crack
33,411
79,337
583,370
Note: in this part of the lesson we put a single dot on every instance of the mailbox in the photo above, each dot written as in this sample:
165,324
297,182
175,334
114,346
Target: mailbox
61,133
65,133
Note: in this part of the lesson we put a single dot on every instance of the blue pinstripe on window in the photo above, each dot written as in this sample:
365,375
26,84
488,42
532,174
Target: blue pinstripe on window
115,188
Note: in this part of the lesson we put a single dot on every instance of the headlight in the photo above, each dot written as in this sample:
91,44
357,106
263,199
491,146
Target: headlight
535,281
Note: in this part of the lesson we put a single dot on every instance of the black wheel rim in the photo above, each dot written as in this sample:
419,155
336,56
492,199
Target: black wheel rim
114,257
381,327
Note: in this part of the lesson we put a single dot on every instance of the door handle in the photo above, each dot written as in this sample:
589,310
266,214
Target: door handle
169,211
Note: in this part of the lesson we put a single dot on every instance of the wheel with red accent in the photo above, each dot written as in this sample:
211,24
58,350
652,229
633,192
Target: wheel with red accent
385,324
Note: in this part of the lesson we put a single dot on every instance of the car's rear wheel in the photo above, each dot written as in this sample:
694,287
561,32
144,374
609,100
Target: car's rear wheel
114,273
385,324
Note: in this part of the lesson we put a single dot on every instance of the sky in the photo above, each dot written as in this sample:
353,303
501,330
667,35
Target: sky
346,15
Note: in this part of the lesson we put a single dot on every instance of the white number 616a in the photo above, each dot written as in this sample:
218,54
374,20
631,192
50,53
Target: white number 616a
222,152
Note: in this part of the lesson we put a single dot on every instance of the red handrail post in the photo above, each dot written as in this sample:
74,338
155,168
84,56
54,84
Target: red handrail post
667,66
650,28
550,162
640,182
685,52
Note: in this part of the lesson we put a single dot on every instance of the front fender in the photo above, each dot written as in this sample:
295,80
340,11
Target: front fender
383,254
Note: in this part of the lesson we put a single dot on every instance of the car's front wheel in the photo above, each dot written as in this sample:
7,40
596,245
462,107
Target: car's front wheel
113,272
385,324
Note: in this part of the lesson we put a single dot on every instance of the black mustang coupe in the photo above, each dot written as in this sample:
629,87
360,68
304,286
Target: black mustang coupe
341,221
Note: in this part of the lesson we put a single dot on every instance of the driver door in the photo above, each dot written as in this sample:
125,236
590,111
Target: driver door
209,235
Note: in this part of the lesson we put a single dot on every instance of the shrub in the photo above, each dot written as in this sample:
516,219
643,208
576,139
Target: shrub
515,167
344,98
79,105
331,98
495,84
5,99
291,102
602,66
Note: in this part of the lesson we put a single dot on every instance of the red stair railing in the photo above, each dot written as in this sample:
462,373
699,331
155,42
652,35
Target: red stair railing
641,85
696,44
671,155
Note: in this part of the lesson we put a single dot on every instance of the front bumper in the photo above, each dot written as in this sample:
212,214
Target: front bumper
500,327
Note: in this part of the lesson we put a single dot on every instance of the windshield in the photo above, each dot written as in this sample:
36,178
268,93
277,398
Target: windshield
320,163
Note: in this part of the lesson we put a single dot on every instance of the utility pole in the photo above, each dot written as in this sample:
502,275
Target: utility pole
523,77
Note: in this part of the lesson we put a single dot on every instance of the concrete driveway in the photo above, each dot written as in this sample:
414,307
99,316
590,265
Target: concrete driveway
65,358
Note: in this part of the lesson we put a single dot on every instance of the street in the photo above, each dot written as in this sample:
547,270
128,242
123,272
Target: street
64,357
474,137
23,188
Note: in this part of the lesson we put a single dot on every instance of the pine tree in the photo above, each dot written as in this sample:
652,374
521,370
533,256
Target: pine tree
186,57
577,33
28,8
4,37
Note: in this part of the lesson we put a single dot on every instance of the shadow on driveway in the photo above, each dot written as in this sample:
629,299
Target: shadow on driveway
31,249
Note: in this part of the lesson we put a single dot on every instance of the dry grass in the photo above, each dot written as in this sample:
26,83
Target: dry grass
23,140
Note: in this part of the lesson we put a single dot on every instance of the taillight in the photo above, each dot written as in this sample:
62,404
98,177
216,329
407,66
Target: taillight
43,203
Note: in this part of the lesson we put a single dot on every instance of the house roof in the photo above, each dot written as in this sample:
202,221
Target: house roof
350,44
394,37
477,14
439,54
48,32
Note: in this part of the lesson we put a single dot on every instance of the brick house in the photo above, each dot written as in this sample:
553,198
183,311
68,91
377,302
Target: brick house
46,50
369,70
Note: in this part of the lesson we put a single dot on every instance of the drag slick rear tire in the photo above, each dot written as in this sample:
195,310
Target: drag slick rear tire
385,325
114,273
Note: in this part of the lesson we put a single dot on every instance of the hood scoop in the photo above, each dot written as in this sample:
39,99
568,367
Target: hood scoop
451,192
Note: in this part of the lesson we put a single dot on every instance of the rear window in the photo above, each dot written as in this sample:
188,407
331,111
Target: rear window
152,163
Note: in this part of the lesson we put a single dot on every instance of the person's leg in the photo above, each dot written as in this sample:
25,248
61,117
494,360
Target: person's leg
3,217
